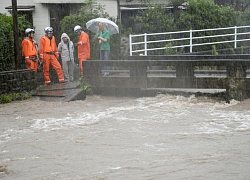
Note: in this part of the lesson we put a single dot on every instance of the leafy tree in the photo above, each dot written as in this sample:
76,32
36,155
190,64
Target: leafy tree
203,14
7,43
199,14
89,10
238,5
7,40
154,19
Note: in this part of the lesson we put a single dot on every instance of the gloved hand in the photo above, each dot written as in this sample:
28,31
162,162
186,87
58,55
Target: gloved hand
41,61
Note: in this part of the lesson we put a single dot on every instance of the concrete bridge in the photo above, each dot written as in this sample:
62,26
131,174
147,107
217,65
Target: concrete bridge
140,75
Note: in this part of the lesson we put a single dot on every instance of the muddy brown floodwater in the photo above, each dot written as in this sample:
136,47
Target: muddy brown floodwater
123,138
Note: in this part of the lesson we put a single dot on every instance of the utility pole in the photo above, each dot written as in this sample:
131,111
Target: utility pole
15,34
118,10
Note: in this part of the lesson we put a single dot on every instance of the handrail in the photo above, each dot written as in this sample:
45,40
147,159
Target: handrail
235,36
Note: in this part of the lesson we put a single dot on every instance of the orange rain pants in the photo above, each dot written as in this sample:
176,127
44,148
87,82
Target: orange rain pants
51,60
49,53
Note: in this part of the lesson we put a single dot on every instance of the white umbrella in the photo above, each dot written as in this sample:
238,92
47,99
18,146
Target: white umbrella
92,25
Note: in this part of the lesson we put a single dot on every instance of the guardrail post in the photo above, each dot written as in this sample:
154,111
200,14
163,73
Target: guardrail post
191,39
130,45
235,37
145,44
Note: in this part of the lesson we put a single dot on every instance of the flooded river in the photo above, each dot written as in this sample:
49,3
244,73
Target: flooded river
122,138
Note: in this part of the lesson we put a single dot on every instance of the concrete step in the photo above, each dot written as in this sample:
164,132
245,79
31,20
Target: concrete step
60,92
185,92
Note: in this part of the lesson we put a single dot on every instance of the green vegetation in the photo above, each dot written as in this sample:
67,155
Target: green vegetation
91,10
199,14
214,52
169,50
82,84
232,51
7,98
7,42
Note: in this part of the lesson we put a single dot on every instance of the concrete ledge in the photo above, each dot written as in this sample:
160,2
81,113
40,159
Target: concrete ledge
72,95
61,92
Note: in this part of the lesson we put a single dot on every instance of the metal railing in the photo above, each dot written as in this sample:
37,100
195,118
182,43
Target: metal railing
139,43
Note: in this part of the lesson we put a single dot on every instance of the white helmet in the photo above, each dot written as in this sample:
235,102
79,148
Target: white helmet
48,30
77,28
29,30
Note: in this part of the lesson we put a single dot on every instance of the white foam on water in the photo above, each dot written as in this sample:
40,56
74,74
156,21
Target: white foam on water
162,109
115,168
73,120
229,121
219,121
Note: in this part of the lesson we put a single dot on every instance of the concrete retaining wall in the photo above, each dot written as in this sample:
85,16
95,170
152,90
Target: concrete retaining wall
26,80
17,81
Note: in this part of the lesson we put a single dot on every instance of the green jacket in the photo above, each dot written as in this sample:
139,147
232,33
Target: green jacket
105,45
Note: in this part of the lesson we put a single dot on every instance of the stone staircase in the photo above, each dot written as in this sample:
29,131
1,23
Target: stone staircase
60,92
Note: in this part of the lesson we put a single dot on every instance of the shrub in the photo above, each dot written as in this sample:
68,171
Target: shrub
7,41
7,98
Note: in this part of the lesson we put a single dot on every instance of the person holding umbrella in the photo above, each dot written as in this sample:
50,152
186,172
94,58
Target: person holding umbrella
104,41
83,46
104,28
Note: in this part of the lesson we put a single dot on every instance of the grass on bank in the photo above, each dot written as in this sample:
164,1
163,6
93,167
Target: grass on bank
8,98
85,86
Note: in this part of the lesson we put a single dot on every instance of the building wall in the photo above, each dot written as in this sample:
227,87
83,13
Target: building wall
3,5
41,17
58,1
138,2
110,7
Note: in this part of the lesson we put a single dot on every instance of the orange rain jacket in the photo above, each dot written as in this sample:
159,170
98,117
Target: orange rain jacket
49,52
83,46
48,46
28,47
29,51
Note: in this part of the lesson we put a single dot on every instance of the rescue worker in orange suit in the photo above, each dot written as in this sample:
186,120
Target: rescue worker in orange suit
49,56
83,46
29,50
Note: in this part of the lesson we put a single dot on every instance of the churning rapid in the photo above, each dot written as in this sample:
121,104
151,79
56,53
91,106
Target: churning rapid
121,138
